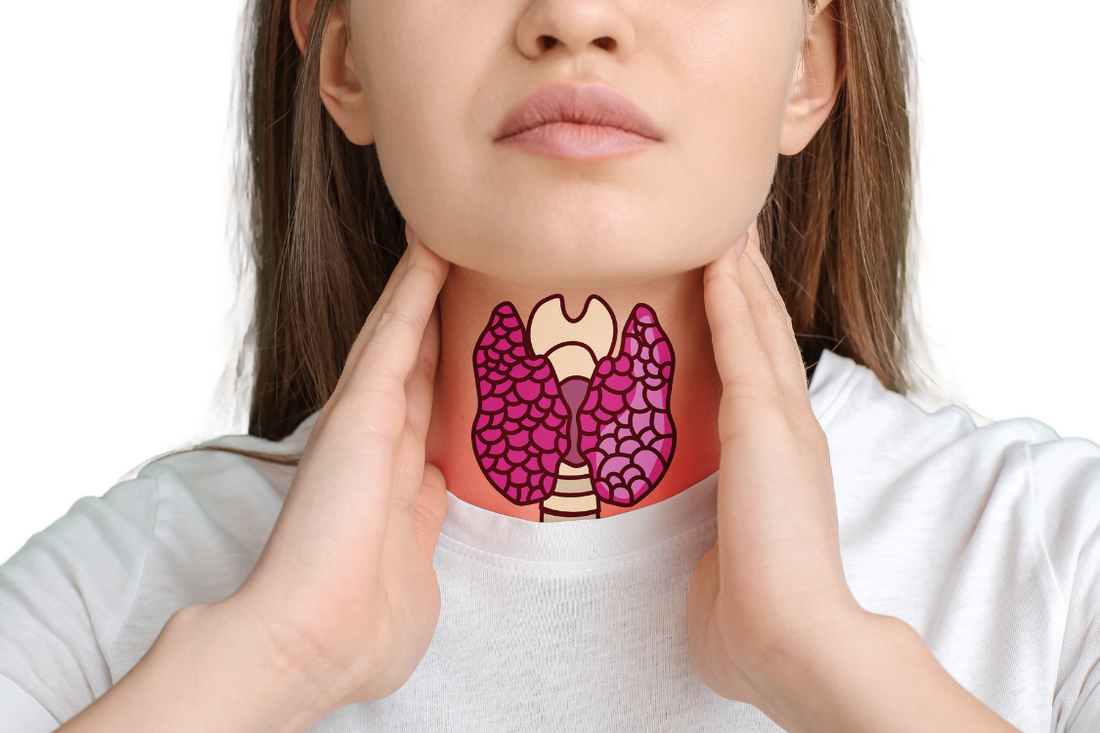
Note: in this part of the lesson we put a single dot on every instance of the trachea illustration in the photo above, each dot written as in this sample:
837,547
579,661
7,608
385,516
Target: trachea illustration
560,420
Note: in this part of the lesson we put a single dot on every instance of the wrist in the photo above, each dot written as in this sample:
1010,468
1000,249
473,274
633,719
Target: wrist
281,672
210,669
794,673
266,686
831,671
870,672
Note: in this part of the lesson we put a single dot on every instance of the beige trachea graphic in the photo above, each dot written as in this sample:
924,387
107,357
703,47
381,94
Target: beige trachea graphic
573,348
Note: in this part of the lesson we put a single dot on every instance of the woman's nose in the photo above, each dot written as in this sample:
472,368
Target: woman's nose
575,27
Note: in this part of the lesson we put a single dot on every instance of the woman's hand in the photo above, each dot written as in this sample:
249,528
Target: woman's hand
345,587
774,579
343,601
771,619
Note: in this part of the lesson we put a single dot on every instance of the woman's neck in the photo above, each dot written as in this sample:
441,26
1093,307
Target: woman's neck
612,417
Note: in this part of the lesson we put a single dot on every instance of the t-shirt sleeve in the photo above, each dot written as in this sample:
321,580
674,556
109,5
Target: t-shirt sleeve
1066,483
63,598
21,712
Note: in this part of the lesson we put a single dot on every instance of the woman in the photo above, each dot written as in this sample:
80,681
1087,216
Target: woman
507,200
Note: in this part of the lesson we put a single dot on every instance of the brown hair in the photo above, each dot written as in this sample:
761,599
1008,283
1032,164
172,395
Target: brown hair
836,227
325,233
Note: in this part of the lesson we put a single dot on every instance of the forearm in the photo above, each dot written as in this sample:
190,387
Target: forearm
877,675
208,671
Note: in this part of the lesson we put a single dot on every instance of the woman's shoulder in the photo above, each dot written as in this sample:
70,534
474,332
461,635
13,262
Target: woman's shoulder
95,588
985,539
861,416
888,449
191,493
198,465
216,507
883,444
210,474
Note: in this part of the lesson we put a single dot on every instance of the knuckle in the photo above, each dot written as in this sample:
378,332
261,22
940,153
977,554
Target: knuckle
812,436
730,324
417,428
776,309
375,414
384,417
402,505
403,320
301,636
423,263
820,439
720,275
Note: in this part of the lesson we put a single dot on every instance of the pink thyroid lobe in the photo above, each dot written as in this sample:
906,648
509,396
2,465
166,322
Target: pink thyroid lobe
625,424
520,432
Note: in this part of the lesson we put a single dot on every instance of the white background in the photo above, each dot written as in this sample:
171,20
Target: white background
116,284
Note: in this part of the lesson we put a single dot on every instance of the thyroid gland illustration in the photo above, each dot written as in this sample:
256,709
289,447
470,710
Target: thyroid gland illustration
560,420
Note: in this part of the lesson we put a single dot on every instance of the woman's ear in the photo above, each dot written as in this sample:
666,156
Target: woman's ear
817,83
340,86
301,11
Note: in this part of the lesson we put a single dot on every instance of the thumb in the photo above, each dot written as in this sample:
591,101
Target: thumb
431,509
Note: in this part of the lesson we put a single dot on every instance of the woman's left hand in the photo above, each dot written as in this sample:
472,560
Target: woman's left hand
772,586
771,619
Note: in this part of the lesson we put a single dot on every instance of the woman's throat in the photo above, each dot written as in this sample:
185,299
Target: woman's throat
563,420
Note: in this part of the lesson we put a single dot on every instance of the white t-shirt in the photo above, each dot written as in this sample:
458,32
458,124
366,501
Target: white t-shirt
984,540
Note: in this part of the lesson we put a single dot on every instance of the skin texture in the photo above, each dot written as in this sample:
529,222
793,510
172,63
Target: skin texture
771,620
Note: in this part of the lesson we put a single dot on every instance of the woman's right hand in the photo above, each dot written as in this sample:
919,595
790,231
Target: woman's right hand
343,601
344,588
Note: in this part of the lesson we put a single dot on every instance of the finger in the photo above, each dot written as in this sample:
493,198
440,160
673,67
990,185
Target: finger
756,254
418,398
743,365
421,387
386,361
774,330
414,254
370,405
431,510
369,415
384,298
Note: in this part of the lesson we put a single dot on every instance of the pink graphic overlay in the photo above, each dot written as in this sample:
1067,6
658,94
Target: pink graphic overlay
610,419
626,430
520,433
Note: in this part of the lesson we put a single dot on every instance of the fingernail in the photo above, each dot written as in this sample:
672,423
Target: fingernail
739,248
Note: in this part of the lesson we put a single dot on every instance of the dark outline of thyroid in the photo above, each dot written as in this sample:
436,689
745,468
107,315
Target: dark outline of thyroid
601,428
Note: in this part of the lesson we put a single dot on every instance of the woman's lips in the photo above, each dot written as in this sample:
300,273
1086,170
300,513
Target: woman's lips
574,141
571,122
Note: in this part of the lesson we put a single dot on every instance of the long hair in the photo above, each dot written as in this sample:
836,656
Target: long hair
325,233
836,228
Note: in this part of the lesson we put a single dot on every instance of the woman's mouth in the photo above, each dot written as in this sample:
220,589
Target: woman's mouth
569,122
575,141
